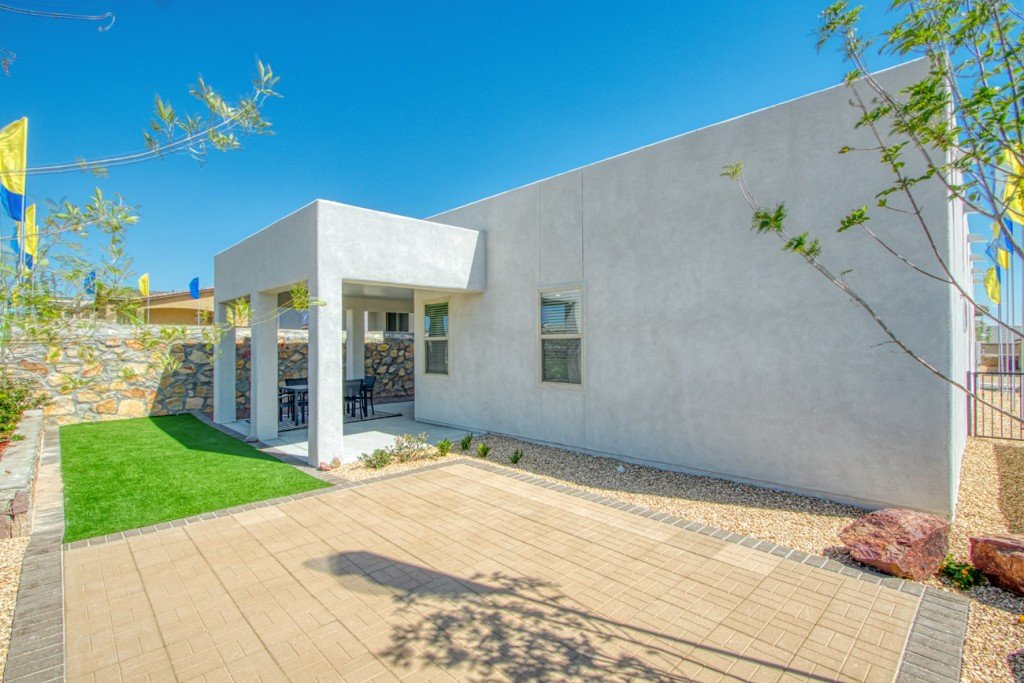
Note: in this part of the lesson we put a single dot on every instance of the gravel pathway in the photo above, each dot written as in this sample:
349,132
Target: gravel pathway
12,550
991,500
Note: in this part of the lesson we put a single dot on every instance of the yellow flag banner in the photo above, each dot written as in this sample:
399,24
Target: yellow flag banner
144,285
13,153
1013,188
992,284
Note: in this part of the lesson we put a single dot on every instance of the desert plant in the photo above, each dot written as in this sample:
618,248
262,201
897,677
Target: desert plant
444,447
516,456
465,441
963,575
482,450
377,460
410,447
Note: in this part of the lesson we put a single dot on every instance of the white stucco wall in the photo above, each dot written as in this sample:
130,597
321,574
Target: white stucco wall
706,348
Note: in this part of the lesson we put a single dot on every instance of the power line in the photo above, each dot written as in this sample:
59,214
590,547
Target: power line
62,15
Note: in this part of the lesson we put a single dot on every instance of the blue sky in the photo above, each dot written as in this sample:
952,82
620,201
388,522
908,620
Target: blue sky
409,107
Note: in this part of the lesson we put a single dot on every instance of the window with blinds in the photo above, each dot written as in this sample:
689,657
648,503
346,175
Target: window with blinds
561,336
436,327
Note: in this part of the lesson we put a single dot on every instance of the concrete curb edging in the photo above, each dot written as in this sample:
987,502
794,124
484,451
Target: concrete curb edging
37,634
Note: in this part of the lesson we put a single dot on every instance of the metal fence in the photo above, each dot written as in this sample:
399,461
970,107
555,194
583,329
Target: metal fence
1003,392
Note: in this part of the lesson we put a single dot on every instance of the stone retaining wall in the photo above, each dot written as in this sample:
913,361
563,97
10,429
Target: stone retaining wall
20,463
113,373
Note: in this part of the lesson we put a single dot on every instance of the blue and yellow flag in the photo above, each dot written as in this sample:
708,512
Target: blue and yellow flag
992,284
28,235
13,156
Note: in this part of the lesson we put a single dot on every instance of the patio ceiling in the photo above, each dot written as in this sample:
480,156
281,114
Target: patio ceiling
360,291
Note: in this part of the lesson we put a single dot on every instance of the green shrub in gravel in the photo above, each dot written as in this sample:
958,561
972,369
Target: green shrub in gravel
963,575
516,456
465,441
444,447
482,450
377,460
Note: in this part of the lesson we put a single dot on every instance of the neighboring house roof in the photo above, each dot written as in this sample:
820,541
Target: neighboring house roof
182,300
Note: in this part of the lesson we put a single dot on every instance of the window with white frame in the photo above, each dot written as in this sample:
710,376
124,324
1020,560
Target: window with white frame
436,326
396,322
561,335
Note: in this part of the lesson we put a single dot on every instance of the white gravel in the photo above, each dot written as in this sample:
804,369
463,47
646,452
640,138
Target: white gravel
12,551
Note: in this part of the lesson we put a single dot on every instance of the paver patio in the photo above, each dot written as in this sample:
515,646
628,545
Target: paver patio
458,571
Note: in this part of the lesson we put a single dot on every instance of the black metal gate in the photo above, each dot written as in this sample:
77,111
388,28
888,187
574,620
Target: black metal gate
1002,391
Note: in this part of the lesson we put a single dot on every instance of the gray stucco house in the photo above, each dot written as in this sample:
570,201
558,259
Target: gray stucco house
625,308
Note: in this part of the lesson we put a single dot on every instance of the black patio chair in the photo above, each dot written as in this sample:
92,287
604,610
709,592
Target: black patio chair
354,398
368,384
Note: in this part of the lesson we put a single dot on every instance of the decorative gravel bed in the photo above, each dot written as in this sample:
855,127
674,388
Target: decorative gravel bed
12,550
991,500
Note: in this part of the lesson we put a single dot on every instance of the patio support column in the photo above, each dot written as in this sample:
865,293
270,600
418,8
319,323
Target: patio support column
224,381
357,345
326,369
263,385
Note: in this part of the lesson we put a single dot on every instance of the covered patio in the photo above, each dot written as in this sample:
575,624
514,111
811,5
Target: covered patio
353,262
363,436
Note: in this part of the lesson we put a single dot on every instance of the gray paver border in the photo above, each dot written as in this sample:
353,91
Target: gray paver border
37,632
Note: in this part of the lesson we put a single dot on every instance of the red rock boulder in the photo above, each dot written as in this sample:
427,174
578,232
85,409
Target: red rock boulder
1000,557
900,542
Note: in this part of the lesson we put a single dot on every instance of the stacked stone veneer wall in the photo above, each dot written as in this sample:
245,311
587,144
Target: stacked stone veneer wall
111,374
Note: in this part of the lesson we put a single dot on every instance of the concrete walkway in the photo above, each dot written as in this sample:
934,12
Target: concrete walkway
459,571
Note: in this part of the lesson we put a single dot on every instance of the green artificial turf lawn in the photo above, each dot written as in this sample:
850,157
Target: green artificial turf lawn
133,473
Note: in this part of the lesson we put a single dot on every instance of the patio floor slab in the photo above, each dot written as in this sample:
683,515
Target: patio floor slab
361,437
458,571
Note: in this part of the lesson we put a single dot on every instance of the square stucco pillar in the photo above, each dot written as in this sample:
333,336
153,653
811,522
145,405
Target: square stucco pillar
326,371
356,366
224,364
263,378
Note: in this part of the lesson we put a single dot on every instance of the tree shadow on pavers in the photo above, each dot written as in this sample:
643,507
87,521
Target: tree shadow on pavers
523,628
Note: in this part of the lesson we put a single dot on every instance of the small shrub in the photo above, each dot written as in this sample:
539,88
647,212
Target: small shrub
963,575
516,456
409,447
377,460
405,448
444,447
482,450
15,398
464,443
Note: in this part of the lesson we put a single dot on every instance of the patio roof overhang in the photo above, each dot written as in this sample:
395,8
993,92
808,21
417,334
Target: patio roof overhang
326,246
340,242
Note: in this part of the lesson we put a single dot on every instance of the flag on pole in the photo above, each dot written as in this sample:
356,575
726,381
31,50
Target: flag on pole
13,154
28,234
1014,186
90,283
144,285
992,277
997,255
193,287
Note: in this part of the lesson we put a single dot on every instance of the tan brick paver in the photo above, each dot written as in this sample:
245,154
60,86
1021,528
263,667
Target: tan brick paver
458,572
